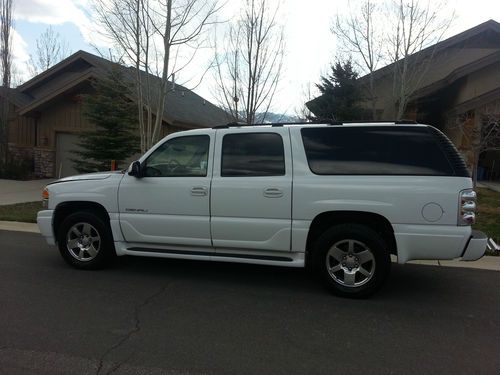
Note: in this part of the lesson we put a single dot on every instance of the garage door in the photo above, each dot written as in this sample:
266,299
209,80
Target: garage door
65,144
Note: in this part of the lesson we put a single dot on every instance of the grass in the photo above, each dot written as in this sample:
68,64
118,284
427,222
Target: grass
25,212
488,218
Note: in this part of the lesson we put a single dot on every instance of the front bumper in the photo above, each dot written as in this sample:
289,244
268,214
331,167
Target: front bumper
476,247
44,221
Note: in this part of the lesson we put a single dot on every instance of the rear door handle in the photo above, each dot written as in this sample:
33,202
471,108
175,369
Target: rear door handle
273,193
199,191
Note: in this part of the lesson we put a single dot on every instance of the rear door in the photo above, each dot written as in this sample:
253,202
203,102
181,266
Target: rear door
251,200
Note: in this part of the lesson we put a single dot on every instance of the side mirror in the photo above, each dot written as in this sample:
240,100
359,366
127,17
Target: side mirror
135,169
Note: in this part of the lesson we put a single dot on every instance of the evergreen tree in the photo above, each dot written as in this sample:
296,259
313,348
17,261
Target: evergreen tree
340,95
115,136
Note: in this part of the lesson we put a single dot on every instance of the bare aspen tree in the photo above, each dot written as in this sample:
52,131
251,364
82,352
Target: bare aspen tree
360,35
392,31
248,66
50,49
127,25
302,113
6,71
181,25
416,25
156,37
481,130
6,41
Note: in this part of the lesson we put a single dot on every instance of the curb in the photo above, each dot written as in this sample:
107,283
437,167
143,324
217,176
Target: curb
17,226
487,262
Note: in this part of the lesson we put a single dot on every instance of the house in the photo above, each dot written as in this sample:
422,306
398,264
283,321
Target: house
457,84
45,115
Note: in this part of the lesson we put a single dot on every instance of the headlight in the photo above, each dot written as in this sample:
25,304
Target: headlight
45,198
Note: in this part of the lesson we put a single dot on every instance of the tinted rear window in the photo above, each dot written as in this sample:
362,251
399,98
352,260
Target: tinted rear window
374,150
252,154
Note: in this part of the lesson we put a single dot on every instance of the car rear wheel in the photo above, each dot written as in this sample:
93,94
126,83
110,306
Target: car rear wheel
352,260
85,241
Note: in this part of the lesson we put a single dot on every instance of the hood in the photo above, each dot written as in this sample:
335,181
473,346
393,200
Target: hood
88,176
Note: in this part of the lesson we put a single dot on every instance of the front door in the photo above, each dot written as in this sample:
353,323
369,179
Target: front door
169,204
251,195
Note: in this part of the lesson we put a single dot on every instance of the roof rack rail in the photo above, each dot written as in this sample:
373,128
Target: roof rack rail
405,122
318,122
274,124
379,122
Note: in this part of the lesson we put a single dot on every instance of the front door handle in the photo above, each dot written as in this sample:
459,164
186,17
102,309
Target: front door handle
273,192
199,191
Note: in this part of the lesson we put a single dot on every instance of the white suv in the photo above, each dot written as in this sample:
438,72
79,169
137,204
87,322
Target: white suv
338,198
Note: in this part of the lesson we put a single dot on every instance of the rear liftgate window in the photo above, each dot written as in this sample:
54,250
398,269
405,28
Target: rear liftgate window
374,150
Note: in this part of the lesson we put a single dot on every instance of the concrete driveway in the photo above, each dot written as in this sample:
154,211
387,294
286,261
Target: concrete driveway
12,191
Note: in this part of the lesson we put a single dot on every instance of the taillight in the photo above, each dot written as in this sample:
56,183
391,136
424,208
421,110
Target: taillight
467,208
45,198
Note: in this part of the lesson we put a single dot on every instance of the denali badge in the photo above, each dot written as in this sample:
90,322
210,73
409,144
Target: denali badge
140,210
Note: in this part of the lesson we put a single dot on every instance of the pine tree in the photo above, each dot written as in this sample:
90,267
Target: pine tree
114,115
340,95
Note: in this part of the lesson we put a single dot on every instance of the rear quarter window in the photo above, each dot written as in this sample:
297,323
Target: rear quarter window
374,150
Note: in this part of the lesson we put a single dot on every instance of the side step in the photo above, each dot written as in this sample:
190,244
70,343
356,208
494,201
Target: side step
270,258
211,254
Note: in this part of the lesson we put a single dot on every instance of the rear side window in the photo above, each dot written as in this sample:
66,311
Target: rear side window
374,150
252,154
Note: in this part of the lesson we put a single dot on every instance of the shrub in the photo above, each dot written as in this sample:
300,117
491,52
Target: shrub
17,168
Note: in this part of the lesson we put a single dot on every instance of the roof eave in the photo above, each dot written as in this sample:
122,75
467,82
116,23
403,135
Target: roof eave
37,103
464,35
456,74
54,69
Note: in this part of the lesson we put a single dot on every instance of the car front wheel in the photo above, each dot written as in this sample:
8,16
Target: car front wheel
85,241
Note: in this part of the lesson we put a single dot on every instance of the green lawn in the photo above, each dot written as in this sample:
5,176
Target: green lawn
21,212
488,218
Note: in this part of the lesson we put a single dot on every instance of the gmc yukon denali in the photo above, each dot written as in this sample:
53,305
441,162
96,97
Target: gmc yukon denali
339,199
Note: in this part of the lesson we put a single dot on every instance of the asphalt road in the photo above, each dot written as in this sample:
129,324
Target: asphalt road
153,316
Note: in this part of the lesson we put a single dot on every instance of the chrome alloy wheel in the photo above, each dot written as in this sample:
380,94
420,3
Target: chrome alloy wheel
83,242
350,263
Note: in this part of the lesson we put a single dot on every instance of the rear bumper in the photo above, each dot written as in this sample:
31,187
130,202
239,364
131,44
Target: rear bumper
438,242
44,221
476,247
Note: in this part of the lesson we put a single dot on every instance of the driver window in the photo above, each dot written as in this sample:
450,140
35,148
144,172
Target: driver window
179,157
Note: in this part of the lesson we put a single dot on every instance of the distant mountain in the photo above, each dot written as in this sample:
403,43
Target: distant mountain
275,117
271,117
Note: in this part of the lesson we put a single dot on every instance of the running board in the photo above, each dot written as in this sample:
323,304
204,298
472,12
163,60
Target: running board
211,254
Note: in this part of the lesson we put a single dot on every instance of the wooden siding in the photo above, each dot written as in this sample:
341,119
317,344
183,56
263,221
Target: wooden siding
21,129
65,116
480,82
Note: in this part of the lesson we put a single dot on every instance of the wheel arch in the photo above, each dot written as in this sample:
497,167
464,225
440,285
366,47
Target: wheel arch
372,220
64,209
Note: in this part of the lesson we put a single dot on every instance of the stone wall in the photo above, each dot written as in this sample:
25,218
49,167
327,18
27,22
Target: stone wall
20,165
44,162
20,153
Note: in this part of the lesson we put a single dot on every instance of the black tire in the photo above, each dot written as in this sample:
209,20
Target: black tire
352,260
85,241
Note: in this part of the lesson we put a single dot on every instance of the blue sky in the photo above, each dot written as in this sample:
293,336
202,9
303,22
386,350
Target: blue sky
30,31
310,44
